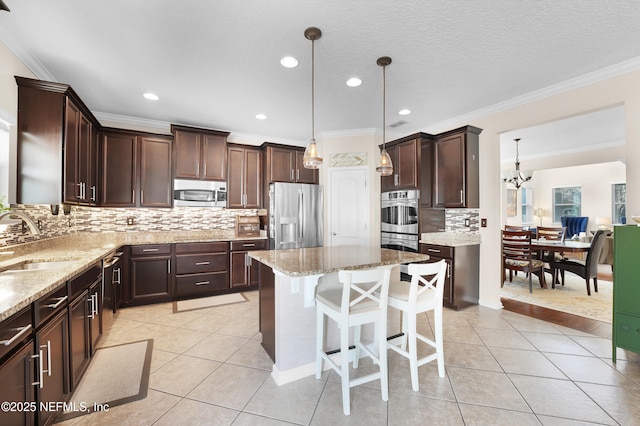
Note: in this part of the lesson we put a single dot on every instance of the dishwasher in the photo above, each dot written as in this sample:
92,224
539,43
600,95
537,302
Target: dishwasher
112,278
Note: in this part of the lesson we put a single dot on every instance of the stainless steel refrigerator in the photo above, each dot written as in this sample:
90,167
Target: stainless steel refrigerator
295,215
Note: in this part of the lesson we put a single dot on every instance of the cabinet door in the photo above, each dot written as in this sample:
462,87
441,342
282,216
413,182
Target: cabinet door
253,179
426,174
79,311
214,157
304,175
71,145
150,279
95,317
449,171
52,348
16,376
235,177
239,273
280,168
155,172
188,154
389,183
84,160
119,170
407,165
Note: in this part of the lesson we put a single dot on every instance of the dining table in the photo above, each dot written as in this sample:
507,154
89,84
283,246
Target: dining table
561,247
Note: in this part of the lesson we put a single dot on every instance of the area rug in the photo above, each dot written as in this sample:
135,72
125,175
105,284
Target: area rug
207,302
116,375
571,298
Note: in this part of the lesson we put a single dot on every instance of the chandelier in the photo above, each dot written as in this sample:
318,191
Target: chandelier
312,159
517,177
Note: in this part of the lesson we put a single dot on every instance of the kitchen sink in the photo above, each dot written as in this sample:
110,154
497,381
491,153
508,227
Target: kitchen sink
38,266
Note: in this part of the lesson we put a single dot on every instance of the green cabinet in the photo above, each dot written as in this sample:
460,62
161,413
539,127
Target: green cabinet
626,289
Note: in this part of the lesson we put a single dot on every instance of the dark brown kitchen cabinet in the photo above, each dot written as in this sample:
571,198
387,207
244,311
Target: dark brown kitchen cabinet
52,365
244,177
244,272
461,286
200,153
150,274
136,170
456,170
95,316
56,137
405,158
283,163
201,268
16,376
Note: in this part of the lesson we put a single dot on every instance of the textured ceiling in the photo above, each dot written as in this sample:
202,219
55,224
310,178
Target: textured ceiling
216,63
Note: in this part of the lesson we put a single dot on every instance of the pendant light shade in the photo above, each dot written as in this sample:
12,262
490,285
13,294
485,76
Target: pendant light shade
385,166
312,159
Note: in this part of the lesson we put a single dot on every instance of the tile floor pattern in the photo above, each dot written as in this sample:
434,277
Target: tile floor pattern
502,368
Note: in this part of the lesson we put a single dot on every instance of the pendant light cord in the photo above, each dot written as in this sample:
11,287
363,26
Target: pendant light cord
384,103
313,101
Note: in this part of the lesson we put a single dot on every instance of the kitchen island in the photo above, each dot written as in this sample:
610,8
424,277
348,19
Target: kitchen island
288,281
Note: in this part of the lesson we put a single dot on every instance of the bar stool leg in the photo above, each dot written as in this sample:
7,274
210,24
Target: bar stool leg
344,369
319,342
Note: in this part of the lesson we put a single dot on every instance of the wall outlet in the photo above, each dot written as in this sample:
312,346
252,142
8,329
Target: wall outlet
483,223
467,222
131,221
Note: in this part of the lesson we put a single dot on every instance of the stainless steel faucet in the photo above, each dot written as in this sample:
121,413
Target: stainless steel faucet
32,226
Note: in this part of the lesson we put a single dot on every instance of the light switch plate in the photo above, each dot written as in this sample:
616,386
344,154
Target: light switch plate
483,223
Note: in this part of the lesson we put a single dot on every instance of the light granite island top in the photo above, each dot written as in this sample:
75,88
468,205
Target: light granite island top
288,281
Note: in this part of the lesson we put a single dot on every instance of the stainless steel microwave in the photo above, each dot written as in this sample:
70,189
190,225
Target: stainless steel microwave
199,193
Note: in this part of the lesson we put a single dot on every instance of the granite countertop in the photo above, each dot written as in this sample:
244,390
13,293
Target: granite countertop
324,260
452,239
19,289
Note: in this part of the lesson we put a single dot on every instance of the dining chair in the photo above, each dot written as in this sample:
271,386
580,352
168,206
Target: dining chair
518,228
588,268
549,233
517,255
423,294
361,300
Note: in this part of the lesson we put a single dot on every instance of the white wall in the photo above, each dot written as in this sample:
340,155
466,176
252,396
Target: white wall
595,180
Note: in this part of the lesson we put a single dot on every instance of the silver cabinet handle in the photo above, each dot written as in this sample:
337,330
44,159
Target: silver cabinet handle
202,283
142,196
298,174
91,308
433,250
21,331
197,168
150,249
95,304
93,193
39,383
168,266
248,245
48,346
202,263
58,303
79,190
396,180
462,196
116,273
291,173
204,173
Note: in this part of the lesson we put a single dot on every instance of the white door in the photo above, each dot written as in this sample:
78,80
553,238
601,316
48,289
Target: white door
348,206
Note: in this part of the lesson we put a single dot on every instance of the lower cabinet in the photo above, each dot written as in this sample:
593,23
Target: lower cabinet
16,376
201,268
150,273
79,352
244,272
461,286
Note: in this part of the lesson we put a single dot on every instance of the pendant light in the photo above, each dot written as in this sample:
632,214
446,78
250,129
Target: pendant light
385,167
312,159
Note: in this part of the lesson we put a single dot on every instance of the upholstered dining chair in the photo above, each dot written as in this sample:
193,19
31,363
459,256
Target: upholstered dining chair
574,224
518,228
361,300
551,234
587,269
517,255
423,294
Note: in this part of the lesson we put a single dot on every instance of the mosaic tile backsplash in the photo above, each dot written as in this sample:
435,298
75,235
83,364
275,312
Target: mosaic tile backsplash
92,219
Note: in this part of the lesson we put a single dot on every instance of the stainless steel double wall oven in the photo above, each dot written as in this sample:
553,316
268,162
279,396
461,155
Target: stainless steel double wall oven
399,217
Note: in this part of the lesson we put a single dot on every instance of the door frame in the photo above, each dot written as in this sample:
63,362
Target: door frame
365,202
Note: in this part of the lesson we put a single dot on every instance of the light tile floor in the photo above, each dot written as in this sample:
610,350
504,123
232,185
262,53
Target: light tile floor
502,368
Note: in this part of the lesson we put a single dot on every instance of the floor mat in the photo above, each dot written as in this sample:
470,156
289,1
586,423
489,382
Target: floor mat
207,302
116,375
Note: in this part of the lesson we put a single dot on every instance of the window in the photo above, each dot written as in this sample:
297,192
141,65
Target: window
527,205
567,201
619,197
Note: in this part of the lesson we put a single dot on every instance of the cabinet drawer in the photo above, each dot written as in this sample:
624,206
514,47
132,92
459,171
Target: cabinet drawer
437,250
52,303
627,331
200,283
15,330
219,246
248,245
196,263
150,249
84,280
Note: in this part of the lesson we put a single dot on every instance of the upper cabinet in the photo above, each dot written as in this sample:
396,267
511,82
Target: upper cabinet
283,163
200,153
57,155
456,171
406,154
136,169
244,179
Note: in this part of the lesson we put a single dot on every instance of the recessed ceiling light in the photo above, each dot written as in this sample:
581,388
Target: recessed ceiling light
404,111
261,116
151,96
354,82
289,62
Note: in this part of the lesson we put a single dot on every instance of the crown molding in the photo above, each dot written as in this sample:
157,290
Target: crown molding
30,61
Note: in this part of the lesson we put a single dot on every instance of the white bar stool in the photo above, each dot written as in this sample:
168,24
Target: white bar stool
421,295
362,300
